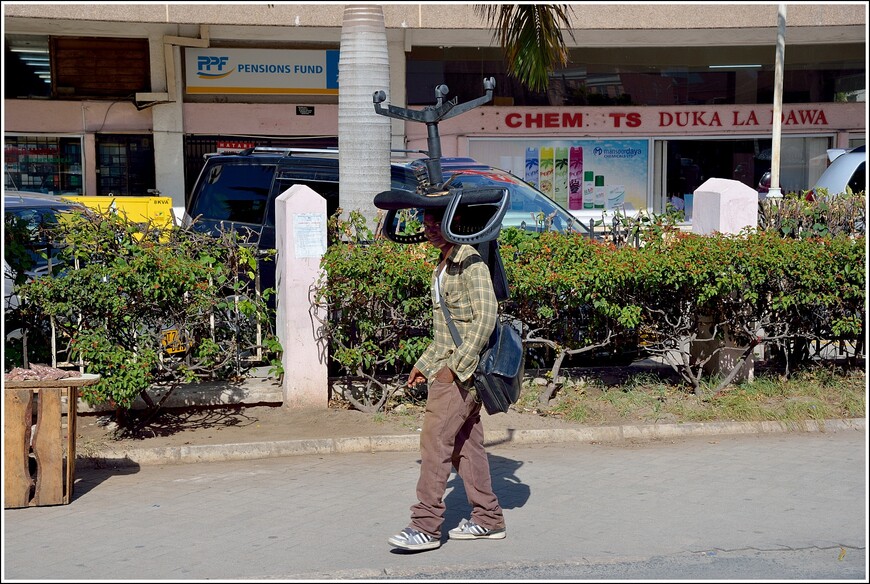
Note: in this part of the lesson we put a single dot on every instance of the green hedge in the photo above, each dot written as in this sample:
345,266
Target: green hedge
572,294
124,284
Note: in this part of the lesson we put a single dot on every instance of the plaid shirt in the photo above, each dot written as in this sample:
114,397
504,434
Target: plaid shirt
468,294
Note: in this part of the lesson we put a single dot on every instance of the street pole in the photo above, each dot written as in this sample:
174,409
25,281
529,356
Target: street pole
775,191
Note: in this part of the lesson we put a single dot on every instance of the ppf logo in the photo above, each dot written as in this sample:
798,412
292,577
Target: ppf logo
205,64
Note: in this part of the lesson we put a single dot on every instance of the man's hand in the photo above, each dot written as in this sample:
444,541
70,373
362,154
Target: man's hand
415,378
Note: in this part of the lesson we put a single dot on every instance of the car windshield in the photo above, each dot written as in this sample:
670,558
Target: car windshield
234,193
530,209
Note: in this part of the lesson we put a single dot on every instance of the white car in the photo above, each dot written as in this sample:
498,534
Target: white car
847,169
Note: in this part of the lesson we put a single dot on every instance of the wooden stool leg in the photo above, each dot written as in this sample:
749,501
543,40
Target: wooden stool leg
17,419
71,420
48,449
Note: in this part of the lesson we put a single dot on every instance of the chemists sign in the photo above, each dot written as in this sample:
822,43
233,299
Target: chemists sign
261,71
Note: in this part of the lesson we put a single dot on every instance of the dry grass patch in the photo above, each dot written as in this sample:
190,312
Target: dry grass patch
815,394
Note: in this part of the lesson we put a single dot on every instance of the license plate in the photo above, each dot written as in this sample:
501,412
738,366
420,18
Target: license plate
172,342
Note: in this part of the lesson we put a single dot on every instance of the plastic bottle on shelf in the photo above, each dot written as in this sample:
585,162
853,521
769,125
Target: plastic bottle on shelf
588,189
599,194
575,179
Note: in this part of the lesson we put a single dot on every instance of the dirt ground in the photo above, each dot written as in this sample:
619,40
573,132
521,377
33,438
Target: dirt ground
265,423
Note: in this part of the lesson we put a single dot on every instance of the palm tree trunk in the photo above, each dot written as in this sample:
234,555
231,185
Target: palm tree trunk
363,136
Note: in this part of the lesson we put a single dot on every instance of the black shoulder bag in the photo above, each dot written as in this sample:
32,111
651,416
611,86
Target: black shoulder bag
499,374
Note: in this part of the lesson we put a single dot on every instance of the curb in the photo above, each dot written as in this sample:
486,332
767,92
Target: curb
411,442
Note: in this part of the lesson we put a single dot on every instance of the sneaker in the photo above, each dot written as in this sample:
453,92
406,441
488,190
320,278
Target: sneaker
471,530
411,539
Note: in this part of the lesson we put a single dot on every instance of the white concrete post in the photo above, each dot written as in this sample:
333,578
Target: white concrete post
300,240
724,205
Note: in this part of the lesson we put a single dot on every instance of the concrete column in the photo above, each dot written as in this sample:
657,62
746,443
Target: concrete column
300,238
168,123
842,139
398,94
723,352
89,152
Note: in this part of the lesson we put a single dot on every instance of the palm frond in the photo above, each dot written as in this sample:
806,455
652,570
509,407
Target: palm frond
531,37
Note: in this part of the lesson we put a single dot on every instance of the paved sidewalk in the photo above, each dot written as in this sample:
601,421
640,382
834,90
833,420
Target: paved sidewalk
726,506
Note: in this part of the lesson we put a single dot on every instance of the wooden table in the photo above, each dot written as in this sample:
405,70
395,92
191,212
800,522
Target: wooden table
54,479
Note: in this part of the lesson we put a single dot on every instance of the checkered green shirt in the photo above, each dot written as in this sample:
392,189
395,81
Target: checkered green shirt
470,299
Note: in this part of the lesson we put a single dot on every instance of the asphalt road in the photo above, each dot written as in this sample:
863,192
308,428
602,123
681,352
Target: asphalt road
773,506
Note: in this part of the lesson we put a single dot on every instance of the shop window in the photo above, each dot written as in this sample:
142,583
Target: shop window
26,67
125,165
691,162
45,164
463,70
650,76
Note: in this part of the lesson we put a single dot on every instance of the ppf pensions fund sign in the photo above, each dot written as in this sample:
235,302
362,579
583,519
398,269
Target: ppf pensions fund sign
261,71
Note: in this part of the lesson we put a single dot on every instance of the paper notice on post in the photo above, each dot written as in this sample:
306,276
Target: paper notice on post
309,234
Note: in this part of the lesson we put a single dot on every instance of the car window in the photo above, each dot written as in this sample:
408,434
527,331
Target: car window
36,221
527,204
402,178
858,181
234,192
527,210
326,189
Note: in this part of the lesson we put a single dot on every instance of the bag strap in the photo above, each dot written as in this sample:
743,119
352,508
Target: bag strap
453,331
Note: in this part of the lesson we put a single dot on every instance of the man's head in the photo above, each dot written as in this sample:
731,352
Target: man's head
432,219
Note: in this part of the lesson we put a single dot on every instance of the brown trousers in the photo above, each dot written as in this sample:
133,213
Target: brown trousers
453,436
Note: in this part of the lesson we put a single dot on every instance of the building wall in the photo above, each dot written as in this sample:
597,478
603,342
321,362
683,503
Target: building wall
752,19
172,26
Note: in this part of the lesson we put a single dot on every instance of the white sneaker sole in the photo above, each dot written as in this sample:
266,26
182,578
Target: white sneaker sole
498,534
401,544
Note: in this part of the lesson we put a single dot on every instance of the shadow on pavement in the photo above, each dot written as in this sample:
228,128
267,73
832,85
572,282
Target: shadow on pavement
509,489
90,473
